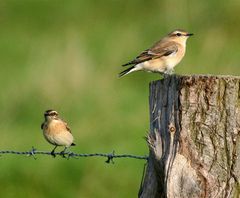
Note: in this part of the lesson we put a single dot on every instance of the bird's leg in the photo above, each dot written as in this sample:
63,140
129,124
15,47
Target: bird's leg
165,75
63,152
168,73
52,152
171,71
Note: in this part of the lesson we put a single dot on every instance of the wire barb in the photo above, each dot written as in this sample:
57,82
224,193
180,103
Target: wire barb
71,155
110,156
32,153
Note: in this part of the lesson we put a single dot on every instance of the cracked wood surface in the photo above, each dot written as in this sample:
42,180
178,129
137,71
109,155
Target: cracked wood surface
194,138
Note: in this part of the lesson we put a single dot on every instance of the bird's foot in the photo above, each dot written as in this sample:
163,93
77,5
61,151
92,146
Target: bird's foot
168,73
53,154
62,153
165,75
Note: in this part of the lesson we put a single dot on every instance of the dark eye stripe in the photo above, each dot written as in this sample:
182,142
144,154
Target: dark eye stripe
50,114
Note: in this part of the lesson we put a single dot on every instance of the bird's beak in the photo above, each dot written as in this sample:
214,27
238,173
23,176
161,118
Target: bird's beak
189,34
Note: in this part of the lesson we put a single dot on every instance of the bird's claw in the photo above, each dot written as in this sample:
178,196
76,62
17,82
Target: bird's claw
53,154
62,153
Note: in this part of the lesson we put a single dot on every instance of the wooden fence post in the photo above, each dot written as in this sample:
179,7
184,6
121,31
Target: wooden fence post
194,138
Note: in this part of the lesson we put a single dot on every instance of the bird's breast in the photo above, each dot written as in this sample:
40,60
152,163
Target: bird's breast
56,133
55,127
172,60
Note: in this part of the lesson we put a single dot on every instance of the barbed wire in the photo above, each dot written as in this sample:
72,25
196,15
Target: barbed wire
110,156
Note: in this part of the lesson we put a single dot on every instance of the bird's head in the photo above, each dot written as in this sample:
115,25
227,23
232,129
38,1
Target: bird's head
179,36
50,114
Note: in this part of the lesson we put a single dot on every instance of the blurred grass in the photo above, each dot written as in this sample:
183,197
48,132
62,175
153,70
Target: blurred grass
66,55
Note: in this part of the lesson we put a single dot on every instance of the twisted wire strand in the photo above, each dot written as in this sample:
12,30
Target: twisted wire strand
110,156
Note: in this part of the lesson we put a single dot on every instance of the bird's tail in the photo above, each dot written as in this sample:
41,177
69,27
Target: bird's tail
129,63
73,144
127,71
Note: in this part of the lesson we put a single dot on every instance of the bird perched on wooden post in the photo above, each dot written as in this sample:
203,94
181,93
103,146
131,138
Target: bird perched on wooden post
163,56
56,131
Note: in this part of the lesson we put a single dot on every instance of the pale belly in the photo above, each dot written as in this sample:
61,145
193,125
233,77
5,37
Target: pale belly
163,65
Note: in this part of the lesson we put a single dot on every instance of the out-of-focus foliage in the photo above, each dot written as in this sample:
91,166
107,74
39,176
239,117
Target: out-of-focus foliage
66,55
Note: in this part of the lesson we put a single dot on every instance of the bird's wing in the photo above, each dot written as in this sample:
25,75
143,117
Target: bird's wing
62,122
163,49
156,51
67,127
42,125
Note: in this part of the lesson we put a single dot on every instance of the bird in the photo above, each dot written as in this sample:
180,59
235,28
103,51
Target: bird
162,57
56,131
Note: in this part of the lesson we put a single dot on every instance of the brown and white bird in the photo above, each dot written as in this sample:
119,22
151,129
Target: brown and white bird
56,131
163,56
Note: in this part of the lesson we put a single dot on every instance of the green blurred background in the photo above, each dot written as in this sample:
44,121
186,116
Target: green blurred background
66,55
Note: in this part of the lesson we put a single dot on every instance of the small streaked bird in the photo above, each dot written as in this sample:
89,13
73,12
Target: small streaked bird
56,131
163,56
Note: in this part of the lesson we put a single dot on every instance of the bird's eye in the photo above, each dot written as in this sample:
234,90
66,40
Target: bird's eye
178,34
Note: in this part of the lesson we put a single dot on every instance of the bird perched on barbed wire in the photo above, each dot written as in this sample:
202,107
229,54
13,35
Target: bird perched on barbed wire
56,131
163,56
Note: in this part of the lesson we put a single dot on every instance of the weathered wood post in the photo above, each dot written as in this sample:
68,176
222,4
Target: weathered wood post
194,138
